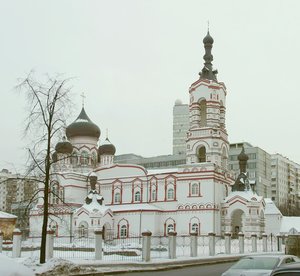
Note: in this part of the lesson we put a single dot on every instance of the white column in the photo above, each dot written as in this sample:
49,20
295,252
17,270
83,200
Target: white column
212,243
146,246
279,243
49,244
17,236
254,242
227,243
172,244
241,242
264,241
98,244
1,240
194,244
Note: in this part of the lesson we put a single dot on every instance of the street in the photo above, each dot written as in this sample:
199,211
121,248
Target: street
200,270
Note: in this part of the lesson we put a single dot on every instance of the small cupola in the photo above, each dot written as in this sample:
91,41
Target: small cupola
64,147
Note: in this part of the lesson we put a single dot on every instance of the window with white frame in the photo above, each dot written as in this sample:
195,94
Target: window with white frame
137,196
117,198
195,189
123,231
170,193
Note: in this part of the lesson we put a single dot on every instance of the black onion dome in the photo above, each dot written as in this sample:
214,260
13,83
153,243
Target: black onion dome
64,147
208,39
107,148
83,126
243,156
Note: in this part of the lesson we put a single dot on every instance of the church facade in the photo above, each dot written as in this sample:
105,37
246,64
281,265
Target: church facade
90,191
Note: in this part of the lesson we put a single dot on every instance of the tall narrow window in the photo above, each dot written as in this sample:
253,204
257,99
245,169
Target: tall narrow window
195,189
170,228
170,194
195,228
137,196
123,231
224,159
202,154
153,194
117,198
203,113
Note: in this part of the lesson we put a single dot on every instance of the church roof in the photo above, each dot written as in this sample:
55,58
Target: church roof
246,195
288,223
107,148
134,207
271,208
4,215
83,126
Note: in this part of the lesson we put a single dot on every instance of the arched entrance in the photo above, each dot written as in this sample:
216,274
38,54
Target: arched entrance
237,222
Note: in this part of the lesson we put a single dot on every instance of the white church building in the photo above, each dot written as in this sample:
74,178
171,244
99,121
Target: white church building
89,191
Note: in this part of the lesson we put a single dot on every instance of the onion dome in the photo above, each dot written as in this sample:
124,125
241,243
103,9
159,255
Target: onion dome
64,146
107,148
243,156
83,126
54,156
208,39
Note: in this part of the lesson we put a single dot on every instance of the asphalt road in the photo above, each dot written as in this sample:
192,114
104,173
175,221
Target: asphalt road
200,270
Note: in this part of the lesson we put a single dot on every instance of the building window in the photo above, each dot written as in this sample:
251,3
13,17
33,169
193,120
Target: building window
137,196
170,228
195,228
123,231
170,194
153,195
84,158
195,189
117,198
202,154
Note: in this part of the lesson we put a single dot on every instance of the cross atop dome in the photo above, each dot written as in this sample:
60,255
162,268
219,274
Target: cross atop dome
83,98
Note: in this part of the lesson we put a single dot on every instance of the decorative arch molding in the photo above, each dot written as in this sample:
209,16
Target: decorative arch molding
137,190
117,187
170,188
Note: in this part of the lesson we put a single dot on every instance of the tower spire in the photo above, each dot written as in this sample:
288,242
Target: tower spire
207,71
83,98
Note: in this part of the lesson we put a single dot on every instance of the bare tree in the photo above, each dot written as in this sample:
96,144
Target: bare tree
48,104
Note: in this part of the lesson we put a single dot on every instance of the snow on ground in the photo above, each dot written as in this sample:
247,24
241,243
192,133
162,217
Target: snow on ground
10,267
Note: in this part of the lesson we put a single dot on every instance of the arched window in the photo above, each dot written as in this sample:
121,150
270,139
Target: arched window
153,194
202,154
94,159
195,228
170,228
203,113
170,194
123,231
195,189
117,198
74,159
137,196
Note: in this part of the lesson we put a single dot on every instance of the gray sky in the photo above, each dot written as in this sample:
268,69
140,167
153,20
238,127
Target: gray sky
134,58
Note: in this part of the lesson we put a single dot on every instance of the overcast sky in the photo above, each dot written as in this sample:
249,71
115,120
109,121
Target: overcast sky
134,58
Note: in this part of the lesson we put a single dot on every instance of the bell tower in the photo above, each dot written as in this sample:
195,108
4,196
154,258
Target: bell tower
207,139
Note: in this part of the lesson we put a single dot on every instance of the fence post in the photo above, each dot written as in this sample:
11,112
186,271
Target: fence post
17,236
264,242
279,243
194,244
227,243
98,244
49,244
172,244
1,240
146,246
241,243
212,244
254,242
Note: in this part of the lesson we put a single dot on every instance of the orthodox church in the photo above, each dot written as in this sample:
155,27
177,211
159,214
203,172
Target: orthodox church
90,191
